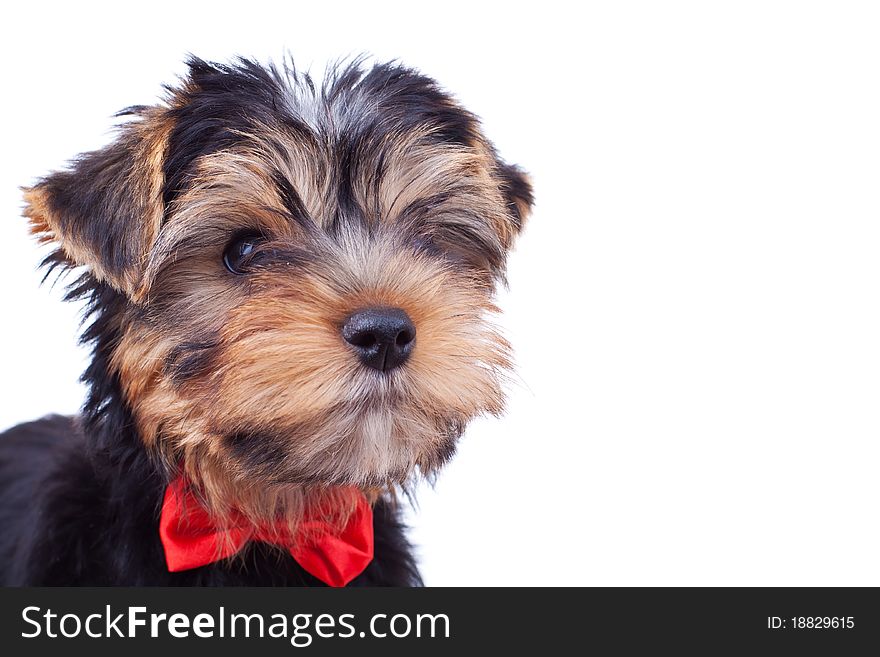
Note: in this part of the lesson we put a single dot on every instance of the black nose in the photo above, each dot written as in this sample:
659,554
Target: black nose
382,337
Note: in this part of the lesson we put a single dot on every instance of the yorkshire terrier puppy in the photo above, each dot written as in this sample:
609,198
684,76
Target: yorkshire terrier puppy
289,289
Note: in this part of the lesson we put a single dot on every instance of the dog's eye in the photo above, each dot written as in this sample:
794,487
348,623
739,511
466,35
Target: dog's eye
236,254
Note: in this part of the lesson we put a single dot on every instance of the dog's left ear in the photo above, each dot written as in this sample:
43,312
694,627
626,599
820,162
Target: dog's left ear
517,190
105,211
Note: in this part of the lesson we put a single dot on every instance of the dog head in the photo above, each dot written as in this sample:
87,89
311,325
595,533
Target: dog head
308,272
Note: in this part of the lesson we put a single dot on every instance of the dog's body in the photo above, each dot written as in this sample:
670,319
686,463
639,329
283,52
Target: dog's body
288,289
74,517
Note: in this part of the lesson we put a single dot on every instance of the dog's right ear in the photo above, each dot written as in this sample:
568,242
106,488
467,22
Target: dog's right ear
517,189
105,211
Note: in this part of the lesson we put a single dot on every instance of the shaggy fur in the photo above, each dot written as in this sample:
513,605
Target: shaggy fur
374,190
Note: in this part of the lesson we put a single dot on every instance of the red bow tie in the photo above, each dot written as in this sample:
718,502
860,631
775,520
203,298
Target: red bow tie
192,538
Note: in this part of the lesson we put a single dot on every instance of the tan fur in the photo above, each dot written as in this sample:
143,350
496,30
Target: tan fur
284,363
280,365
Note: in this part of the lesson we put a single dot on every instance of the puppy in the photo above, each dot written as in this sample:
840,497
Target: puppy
289,290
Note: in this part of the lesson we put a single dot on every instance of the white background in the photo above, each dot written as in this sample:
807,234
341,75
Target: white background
694,303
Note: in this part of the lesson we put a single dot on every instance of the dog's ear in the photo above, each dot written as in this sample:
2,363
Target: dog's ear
105,211
517,190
